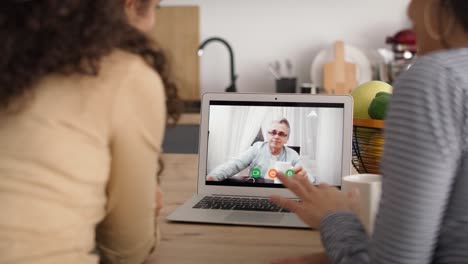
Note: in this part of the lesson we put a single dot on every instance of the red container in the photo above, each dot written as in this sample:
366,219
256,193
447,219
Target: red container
403,44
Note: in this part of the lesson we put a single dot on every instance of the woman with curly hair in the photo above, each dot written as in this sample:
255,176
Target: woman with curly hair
84,99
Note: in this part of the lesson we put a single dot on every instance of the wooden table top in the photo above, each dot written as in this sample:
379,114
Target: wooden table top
189,119
208,243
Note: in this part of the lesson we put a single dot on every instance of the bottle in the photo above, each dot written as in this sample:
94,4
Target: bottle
309,88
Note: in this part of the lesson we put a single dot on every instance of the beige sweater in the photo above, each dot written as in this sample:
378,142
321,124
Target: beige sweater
78,167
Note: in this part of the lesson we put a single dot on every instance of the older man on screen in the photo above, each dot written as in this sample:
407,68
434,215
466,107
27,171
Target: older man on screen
262,157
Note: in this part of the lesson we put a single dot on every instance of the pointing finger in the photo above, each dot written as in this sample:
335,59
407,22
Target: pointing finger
291,205
293,184
306,184
299,171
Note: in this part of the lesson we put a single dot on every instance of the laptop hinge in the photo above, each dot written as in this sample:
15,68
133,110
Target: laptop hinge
233,195
250,196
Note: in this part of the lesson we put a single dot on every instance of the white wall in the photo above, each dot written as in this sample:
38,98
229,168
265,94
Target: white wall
261,31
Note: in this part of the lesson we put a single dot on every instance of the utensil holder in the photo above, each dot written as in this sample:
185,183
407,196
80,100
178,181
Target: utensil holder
286,85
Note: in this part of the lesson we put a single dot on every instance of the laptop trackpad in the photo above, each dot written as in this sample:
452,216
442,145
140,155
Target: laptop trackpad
254,217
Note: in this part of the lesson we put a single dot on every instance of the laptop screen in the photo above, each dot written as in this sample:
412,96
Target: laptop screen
249,143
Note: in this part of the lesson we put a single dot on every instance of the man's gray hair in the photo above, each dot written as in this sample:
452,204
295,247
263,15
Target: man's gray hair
283,121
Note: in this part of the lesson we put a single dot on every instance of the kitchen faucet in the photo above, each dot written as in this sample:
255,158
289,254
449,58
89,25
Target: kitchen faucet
232,86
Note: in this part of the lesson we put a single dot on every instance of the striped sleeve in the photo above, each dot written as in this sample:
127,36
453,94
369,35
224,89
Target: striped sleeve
422,151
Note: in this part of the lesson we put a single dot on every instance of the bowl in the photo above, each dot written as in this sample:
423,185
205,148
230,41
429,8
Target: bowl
368,143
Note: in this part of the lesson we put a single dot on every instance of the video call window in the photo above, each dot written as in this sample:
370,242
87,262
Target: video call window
249,144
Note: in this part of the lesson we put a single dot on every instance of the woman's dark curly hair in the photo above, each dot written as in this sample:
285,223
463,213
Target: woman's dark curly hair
40,37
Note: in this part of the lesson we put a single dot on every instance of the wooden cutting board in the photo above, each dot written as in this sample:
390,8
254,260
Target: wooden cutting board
177,31
339,76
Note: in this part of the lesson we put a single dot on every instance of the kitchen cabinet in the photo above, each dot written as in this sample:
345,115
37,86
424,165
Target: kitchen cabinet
177,31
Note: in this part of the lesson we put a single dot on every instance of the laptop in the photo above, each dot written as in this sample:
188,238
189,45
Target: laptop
246,139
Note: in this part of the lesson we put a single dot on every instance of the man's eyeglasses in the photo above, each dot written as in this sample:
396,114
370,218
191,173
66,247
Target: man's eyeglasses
275,132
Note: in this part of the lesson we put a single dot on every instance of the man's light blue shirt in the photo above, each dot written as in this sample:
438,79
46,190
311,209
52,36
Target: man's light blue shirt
257,156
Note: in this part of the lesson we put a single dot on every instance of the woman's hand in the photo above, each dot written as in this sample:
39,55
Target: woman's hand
300,171
159,200
316,201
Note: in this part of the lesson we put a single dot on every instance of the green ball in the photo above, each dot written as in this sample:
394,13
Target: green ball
378,107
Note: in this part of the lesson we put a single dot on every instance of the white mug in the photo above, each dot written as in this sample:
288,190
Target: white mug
370,189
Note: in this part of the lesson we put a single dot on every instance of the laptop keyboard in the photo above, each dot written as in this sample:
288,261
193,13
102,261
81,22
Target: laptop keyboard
237,203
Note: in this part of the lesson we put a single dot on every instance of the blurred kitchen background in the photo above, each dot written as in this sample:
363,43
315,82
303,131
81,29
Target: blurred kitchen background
262,32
